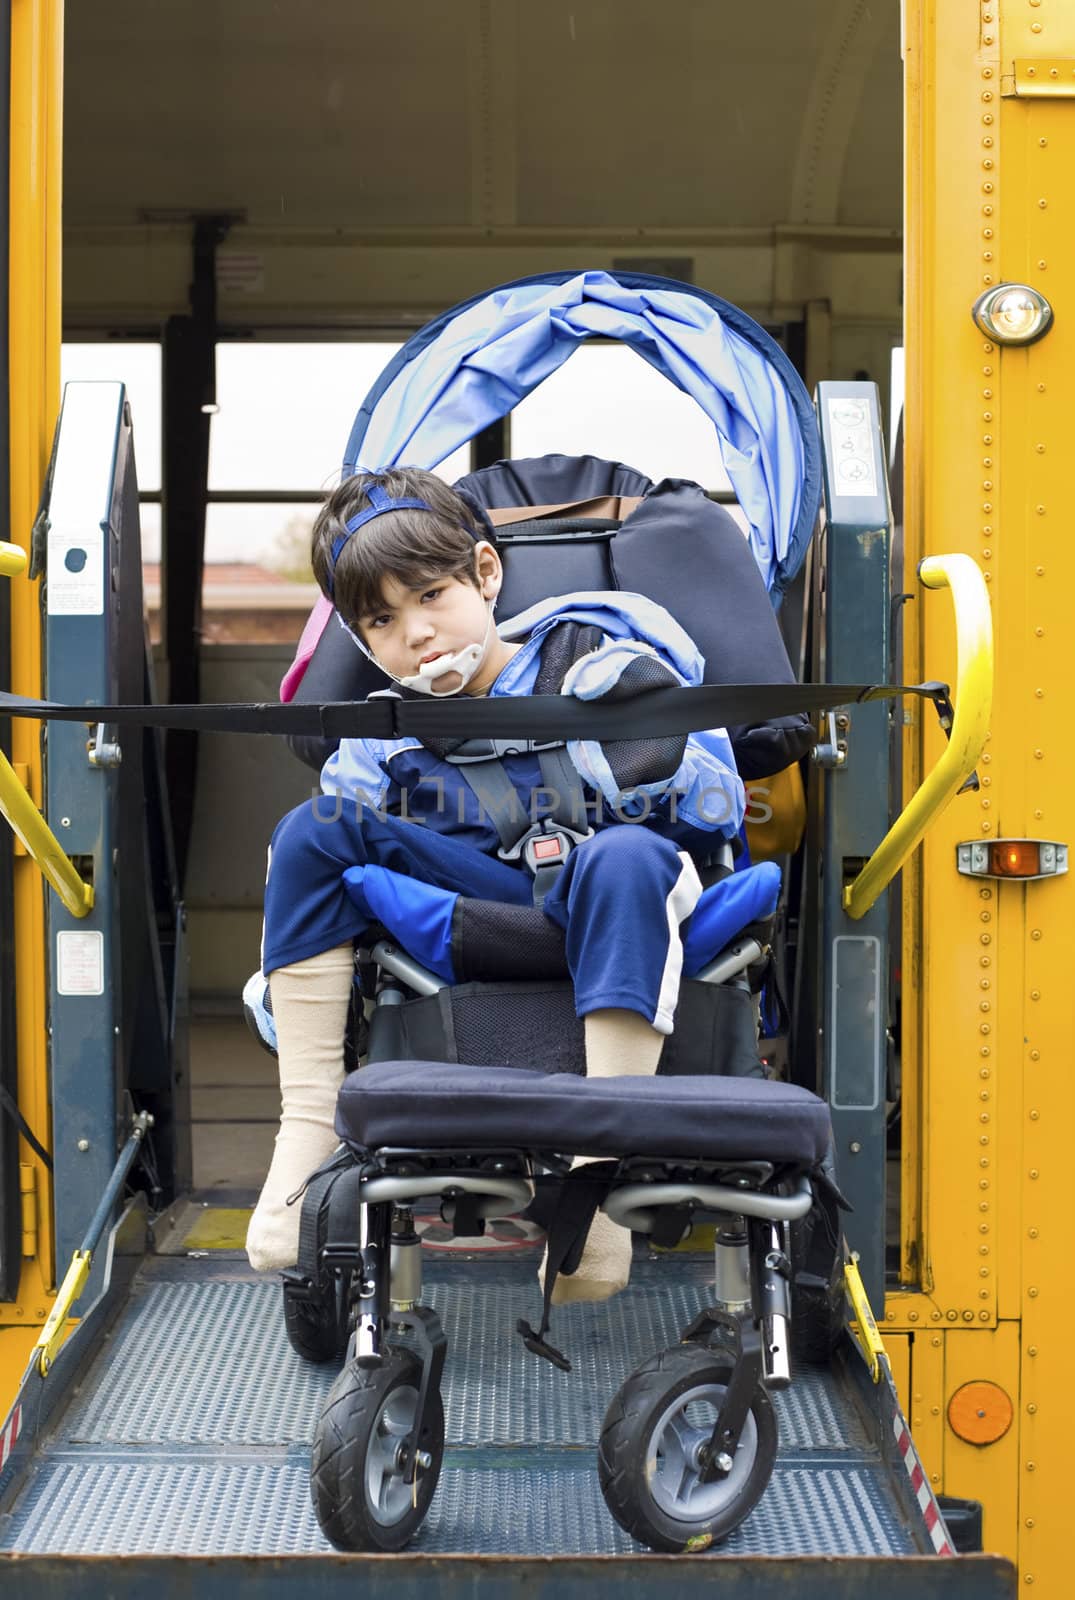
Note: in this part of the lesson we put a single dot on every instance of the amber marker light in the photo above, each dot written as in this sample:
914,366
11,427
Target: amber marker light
1013,313
1012,858
980,1413
1015,858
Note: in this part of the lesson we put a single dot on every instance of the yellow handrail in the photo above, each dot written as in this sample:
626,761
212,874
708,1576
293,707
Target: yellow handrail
25,819
30,826
12,560
973,708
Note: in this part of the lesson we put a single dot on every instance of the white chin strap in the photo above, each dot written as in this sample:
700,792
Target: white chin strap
464,663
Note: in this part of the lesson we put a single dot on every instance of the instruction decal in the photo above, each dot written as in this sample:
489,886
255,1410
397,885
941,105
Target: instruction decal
80,965
854,463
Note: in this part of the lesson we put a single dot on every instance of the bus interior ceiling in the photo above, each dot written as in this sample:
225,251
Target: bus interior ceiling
338,173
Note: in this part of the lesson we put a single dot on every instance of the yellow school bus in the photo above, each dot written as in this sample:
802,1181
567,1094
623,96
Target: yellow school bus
973,1317
986,1010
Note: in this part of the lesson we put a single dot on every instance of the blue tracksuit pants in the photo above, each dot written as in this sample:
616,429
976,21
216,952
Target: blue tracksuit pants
620,899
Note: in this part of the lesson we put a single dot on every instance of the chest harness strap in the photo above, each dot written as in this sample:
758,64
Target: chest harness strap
542,842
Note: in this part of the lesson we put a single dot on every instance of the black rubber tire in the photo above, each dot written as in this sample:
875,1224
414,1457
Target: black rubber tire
631,1480
316,1329
350,1427
818,1310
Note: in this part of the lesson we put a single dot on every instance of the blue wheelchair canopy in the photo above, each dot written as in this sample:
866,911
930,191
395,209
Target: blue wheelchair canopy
470,366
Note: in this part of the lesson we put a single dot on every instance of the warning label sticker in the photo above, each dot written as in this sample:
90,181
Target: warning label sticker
80,962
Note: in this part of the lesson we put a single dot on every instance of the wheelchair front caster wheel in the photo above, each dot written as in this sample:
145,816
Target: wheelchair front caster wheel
650,1455
358,1476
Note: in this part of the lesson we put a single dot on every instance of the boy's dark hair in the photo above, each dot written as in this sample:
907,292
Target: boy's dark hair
411,546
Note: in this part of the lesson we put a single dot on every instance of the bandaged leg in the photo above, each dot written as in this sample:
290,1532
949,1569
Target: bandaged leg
618,1042
310,1000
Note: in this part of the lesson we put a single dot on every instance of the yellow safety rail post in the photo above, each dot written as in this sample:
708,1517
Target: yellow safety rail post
33,376
973,708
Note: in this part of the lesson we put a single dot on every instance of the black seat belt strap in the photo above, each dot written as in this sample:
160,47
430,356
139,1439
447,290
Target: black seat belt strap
581,1194
561,780
498,797
655,714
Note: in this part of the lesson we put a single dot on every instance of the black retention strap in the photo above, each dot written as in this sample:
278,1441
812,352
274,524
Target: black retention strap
581,1193
340,1243
8,1105
654,714
316,1199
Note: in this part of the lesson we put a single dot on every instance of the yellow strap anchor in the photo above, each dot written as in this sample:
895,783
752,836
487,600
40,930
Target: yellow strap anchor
51,1336
48,1340
866,1328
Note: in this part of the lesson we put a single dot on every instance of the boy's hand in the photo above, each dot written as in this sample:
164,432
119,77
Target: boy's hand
626,771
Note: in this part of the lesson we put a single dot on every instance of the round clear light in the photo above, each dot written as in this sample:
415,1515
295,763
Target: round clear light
1013,313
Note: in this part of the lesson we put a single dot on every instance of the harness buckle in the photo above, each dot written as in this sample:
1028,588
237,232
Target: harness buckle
544,848
544,843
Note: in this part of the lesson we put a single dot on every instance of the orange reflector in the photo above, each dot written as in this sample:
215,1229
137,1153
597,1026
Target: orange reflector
1015,858
980,1413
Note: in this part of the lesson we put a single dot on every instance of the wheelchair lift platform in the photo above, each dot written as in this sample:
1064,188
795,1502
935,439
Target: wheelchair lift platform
187,1434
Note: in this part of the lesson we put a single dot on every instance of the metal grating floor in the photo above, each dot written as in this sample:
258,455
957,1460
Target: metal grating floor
191,1431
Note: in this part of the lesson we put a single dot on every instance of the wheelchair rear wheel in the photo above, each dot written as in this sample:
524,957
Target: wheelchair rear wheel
651,1441
358,1475
316,1325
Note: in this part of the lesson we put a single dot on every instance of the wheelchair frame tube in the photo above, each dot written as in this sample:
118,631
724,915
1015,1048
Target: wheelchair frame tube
374,1225
633,1205
513,1193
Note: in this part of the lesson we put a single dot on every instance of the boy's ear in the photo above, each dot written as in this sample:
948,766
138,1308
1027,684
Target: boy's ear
489,570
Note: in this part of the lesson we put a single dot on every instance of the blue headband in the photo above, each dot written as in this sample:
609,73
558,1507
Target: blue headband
379,503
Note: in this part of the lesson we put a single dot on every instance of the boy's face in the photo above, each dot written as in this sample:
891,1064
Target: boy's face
440,617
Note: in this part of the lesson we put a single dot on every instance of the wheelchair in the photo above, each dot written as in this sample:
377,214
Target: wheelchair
473,1097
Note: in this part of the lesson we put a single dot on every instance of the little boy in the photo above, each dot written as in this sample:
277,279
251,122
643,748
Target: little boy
414,574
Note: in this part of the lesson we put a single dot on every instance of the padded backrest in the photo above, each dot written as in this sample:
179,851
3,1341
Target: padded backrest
678,547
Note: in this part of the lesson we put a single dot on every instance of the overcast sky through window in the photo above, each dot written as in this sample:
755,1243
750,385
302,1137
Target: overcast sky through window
286,411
